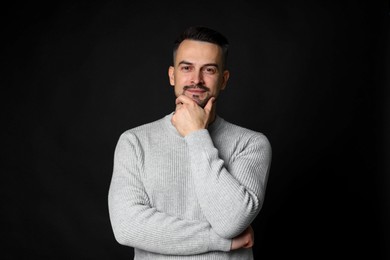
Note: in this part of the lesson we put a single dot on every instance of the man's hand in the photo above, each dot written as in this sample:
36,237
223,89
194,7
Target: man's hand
189,116
245,240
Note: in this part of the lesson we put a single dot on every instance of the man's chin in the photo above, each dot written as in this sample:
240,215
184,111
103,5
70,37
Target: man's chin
201,103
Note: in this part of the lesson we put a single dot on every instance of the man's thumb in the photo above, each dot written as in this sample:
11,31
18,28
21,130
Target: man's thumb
209,104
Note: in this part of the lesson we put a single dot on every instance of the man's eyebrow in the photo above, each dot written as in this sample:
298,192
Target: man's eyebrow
211,64
185,62
204,65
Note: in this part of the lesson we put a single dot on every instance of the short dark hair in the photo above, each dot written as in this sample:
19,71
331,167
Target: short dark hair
204,34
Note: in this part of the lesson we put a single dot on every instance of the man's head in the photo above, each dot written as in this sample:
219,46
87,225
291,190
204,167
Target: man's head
199,64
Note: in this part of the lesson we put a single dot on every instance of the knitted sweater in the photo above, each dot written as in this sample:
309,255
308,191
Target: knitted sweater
174,197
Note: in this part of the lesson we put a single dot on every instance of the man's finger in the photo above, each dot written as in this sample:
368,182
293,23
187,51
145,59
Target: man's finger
178,105
209,105
182,99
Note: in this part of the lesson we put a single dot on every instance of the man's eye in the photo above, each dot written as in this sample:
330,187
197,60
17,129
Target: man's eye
210,70
186,68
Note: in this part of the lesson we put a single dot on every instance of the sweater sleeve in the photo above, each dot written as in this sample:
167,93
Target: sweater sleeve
230,193
136,224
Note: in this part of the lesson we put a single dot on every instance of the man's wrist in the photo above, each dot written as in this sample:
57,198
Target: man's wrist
218,243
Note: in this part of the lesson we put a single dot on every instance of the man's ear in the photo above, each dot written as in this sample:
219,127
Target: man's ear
171,72
225,78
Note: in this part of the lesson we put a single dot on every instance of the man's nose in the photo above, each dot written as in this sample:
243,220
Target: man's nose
197,78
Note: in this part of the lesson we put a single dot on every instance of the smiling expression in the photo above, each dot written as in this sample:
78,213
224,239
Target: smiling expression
198,71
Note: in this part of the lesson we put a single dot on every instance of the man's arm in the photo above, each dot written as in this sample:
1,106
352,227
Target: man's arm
230,198
245,240
135,223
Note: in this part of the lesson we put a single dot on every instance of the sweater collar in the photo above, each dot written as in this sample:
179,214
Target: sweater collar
213,127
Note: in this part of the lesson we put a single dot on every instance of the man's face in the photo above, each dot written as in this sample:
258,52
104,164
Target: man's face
198,71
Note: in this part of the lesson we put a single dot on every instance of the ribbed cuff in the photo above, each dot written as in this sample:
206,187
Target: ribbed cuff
218,243
200,139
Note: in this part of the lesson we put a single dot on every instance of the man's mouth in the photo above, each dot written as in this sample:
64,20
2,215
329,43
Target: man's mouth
197,93
196,89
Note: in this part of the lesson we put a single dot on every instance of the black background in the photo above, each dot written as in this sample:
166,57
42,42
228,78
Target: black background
313,76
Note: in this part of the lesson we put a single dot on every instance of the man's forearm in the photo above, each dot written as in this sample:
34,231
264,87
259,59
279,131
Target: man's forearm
153,231
137,224
230,199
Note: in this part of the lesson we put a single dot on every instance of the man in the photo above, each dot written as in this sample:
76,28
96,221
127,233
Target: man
189,185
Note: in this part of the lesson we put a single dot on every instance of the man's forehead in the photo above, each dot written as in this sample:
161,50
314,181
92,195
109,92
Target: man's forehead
198,51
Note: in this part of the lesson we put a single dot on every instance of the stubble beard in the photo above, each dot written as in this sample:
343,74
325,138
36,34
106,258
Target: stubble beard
201,102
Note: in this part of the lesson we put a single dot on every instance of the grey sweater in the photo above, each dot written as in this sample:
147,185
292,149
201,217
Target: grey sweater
174,197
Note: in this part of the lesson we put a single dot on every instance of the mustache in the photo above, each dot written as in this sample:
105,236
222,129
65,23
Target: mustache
203,87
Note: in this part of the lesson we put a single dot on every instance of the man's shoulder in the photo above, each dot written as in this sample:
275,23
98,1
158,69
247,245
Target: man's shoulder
236,131
241,130
146,128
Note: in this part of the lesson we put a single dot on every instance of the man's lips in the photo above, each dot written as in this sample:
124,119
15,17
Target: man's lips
196,90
